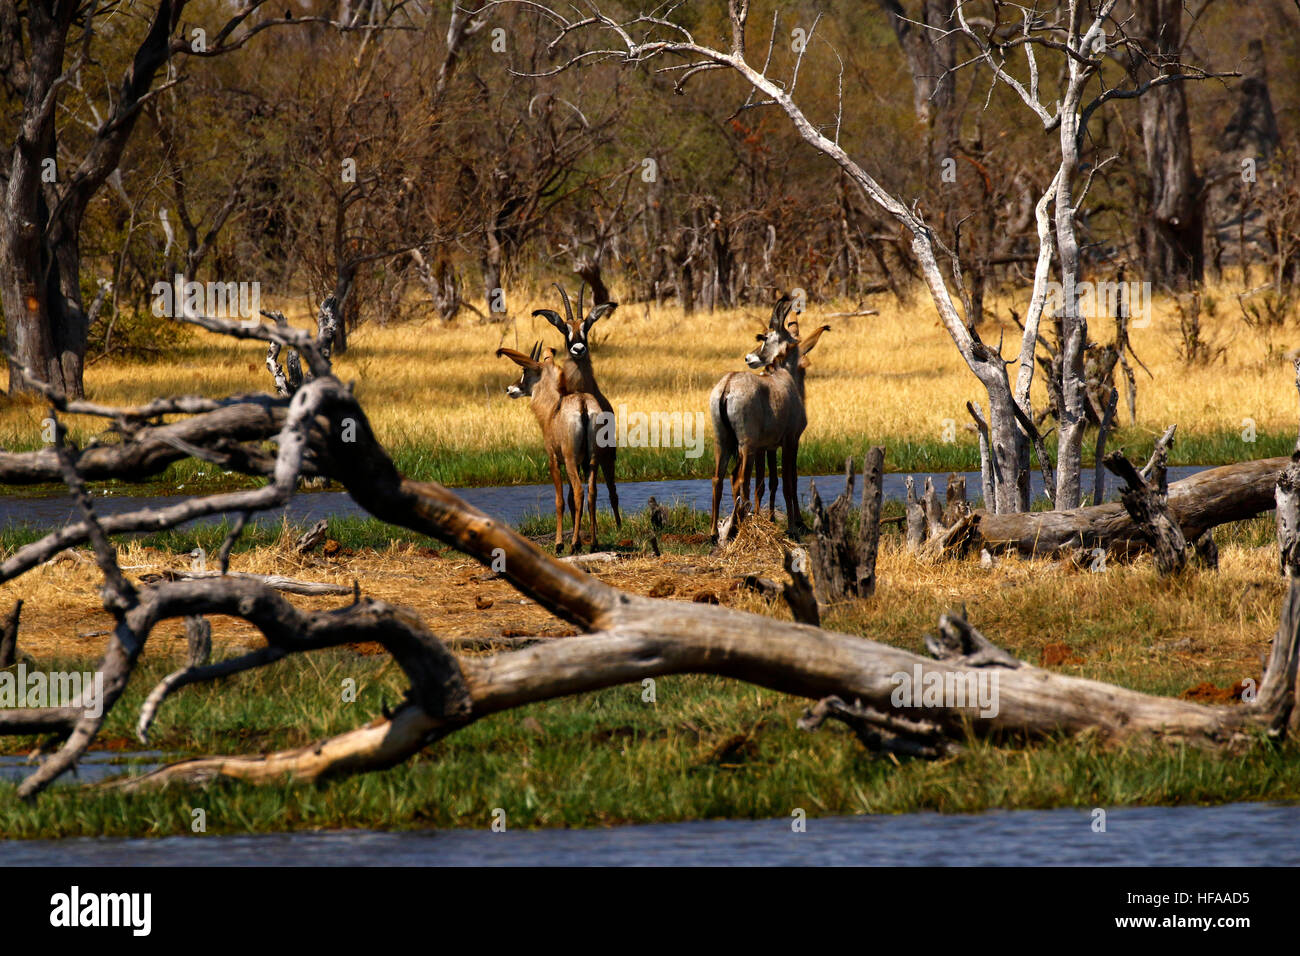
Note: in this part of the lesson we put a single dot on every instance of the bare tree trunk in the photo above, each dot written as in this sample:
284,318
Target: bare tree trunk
1174,234
927,40
40,258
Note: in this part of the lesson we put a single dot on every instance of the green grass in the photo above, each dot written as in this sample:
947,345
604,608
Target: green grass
707,748
354,532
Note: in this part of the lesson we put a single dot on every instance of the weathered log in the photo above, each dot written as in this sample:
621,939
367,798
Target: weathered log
832,552
198,640
934,523
955,505
844,565
1207,552
277,581
958,540
151,448
312,538
1205,500
798,592
656,637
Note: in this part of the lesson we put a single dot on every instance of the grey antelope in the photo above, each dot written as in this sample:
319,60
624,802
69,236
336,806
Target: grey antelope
569,422
580,377
755,415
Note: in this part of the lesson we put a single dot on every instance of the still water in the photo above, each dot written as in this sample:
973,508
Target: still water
1244,834
511,503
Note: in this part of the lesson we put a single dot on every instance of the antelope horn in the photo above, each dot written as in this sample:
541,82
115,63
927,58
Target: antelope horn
780,311
582,289
568,306
519,358
550,315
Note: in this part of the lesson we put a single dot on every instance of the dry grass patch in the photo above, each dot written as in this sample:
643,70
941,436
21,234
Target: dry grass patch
440,389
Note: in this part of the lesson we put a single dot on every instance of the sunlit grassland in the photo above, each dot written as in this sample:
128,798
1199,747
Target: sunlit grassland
435,393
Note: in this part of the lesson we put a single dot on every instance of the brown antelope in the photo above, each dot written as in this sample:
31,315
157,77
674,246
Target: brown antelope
755,415
569,423
580,377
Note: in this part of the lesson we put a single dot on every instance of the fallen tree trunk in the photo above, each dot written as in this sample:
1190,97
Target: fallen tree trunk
1205,500
657,637
277,581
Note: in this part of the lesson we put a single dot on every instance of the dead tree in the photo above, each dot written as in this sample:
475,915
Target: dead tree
1076,39
289,378
629,637
844,565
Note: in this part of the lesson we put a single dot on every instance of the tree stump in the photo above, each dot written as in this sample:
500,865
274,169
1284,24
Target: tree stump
1146,499
1287,494
844,565
9,636
873,467
916,523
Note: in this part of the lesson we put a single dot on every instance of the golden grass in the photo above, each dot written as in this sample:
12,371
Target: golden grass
896,374
1125,625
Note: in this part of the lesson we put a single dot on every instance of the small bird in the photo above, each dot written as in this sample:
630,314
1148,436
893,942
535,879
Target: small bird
657,513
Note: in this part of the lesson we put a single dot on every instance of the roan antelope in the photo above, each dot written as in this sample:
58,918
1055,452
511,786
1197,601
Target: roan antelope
569,423
755,415
580,377
805,346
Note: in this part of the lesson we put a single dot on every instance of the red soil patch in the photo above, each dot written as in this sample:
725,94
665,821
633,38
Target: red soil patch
1054,655
1207,693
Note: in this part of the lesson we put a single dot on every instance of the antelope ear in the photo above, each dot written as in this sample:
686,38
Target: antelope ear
807,344
519,358
779,312
598,312
550,315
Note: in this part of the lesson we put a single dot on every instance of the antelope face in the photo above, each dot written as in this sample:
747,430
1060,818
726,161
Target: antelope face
531,370
575,339
522,388
575,327
771,348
